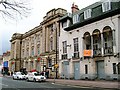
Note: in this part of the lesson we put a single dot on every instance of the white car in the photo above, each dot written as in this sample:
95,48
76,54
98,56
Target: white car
34,76
18,75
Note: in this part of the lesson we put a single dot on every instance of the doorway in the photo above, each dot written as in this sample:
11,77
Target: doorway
100,69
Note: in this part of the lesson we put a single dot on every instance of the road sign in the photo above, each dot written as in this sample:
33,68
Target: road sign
56,65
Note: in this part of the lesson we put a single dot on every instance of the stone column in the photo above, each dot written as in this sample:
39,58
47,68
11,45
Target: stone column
91,45
114,42
102,45
82,47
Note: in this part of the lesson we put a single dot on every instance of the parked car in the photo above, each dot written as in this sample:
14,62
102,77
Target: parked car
18,75
26,75
34,76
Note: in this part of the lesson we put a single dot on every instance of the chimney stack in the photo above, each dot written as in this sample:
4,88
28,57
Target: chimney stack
74,8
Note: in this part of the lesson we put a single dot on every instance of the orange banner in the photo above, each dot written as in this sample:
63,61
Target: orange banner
87,53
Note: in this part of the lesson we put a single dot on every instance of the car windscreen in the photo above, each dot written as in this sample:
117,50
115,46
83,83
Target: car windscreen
20,73
36,74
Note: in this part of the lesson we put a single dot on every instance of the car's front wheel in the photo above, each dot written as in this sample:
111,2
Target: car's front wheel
34,80
13,78
27,79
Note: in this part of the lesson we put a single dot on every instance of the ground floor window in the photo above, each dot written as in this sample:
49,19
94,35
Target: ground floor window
118,66
86,69
114,68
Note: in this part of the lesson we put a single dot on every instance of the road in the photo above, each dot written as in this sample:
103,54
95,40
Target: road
10,84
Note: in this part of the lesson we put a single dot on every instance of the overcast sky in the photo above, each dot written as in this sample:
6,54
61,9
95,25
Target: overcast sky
39,10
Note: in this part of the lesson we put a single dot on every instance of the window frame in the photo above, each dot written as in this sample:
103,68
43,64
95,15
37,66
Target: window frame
87,13
76,18
64,24
64,43
106,6
114,68
76,45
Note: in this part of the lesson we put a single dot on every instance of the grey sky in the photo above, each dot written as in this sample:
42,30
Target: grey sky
39,10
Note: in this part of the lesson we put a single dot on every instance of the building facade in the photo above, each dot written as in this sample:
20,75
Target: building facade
89,43
1,63
6,60
37,49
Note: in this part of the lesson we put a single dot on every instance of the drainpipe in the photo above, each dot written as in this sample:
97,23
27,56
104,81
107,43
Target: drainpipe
56,52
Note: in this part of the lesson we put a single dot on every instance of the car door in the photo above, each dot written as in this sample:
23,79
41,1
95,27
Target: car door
31,77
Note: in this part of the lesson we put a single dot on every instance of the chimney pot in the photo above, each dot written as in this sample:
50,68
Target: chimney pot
74,8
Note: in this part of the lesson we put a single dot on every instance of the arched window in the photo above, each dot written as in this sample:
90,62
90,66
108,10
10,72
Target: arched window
108,40
96,42
87,41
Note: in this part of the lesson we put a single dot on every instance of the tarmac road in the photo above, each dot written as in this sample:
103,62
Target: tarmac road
10,84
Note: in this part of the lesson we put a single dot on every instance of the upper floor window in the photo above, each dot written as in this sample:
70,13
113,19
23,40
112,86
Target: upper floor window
108,40
50,27
75,41
38,37
64,47
38,49
106,6
75,18
23,43
87,13
27,51
27,42
32,39
51,43
32,49
64,24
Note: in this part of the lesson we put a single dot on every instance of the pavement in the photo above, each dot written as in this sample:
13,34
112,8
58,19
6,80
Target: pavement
86,83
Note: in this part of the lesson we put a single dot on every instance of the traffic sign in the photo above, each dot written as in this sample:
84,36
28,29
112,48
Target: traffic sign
56,65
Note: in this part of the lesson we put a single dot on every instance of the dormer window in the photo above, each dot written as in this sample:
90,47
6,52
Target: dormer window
75,18
64,24
87,13
106,6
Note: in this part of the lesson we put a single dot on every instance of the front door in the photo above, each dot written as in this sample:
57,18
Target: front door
66,69
100,70
76,70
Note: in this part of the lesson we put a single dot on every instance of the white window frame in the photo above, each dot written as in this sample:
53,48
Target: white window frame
64,24
76,45
106,6
75,18
64,43
87,13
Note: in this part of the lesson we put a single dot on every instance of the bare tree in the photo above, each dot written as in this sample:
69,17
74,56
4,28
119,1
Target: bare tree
14,8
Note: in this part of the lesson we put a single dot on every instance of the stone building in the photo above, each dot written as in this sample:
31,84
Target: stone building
6,60
37,49
1,63
89,42
15,61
